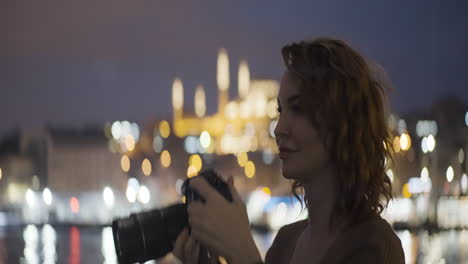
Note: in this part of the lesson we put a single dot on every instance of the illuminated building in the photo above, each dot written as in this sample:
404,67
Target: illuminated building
239,125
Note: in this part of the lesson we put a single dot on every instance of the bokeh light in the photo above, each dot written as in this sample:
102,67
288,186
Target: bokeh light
47,196
108,197
205,139
144,195
249,169
449,174
200,101
222,76
165,159
74,205
405,141
196,161
431,143
390,175
125,163
191,171
146,167
242,159
164,129
177,94
243,78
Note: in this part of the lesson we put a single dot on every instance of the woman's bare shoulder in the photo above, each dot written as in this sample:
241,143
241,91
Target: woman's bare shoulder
283,246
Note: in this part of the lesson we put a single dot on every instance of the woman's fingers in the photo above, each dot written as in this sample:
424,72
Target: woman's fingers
179,244
235,195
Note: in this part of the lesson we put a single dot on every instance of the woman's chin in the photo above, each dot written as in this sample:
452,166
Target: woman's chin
287,173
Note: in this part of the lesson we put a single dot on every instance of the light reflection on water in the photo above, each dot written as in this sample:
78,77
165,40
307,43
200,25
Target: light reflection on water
34,244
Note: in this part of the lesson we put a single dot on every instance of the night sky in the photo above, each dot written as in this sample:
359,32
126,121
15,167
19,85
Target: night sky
79,62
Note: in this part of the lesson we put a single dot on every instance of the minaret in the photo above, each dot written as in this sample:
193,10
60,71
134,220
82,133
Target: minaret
243,79
222,78
200,101
177,99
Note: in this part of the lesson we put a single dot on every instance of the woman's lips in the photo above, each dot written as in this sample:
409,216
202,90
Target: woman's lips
285,154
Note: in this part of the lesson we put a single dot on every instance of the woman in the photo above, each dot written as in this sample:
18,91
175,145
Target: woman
334,142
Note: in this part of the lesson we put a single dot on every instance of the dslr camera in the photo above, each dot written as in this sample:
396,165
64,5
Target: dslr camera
150,235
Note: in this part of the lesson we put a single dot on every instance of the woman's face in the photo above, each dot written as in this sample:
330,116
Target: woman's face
302,151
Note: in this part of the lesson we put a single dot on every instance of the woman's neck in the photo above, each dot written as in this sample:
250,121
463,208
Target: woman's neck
320,196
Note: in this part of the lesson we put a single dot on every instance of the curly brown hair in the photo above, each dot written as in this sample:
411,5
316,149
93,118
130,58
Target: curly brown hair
346,103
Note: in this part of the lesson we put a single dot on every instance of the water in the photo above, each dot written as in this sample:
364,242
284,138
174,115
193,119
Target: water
45,244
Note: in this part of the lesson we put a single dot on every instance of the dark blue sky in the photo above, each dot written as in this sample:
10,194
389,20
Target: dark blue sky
75,62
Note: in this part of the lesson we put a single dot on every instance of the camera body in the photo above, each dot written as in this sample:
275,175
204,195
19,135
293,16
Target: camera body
150,235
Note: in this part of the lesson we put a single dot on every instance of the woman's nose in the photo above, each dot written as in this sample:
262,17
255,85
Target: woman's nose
281,130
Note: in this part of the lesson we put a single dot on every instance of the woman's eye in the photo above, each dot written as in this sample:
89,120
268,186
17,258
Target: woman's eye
278,109
296,108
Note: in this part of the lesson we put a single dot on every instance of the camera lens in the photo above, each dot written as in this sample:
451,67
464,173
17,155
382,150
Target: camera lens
148,235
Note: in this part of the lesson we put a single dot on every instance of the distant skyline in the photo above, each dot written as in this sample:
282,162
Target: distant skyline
73,63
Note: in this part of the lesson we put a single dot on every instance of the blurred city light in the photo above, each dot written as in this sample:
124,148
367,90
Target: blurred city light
30,198
35,183
74,205
191,144
177,94
158,144
125,163
47,196
268,156
144,195
278,216
449,174
466,118
31,238
196,162
464,183
1,174
426,128
133,187
108,197
146,167
424,174
200,101
49,239
191,171
272,128
272,109
165,159
243,79
107,246
129,143
405,141
116,130
417,185
431,143
135,131
164,129
205,139
396,144
390,175
222,76
249,169
405,191
424,145
401,127
256,203
461,156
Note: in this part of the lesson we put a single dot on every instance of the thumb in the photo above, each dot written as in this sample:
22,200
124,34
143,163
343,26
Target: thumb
235,195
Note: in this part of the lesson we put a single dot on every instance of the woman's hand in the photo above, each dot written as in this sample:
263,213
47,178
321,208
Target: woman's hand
189,251
222,226
186,248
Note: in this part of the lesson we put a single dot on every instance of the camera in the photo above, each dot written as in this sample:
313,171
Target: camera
150,235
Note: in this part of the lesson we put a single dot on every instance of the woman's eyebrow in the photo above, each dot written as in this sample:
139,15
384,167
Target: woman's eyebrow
293,98
290,99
